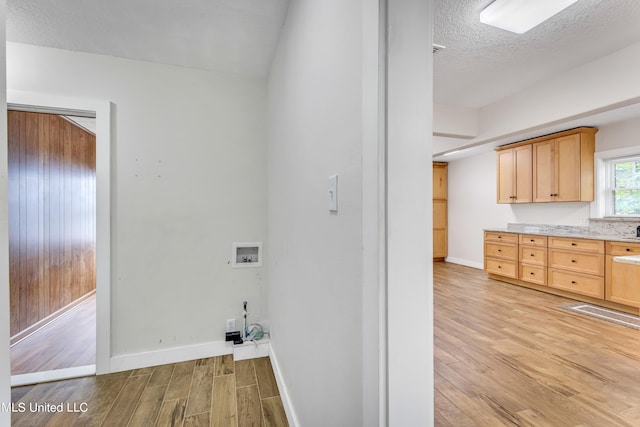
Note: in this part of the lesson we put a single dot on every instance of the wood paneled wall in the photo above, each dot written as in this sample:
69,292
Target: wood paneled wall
51,215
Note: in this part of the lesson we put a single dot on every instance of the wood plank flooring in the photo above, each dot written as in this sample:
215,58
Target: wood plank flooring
509,356
68,341
207,392
503,356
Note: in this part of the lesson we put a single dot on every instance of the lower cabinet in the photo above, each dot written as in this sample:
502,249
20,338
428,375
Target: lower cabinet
622,279
579,266
501,254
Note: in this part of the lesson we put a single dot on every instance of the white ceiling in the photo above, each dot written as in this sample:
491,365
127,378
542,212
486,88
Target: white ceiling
479,66
482,64
234,36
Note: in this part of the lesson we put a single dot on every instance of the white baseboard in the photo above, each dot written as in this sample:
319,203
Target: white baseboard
284,394
170,355
465,262
54,375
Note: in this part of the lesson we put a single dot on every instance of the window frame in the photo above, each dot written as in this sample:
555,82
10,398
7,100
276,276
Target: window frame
605,180
611,188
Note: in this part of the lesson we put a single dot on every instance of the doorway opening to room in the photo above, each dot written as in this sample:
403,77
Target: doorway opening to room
52,242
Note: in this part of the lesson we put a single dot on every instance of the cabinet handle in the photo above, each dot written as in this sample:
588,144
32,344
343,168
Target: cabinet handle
532,255
532,240
628,249
532,273
574,244
499,250
499,266
573,282
573,260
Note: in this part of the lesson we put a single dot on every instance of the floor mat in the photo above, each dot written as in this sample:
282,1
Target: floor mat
618,317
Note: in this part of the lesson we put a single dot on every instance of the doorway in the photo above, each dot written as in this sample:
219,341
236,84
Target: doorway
51,163
101,113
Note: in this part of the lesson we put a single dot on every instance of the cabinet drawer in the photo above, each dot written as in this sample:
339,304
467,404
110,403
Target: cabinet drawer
622,248
501,267
533,274
596,246
533,255
592,286
586,263
500,250
501,237
533,240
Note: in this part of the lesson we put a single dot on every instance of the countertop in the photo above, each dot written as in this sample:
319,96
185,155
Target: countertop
567,232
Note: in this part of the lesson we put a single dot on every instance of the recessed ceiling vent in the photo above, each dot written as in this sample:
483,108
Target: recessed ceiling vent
437,48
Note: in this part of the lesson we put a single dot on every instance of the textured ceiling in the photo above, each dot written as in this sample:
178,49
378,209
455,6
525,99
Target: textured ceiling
482,64
235,36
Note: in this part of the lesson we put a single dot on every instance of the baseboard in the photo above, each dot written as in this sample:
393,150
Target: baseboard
15,339
284,394
466,263
145,359
55,375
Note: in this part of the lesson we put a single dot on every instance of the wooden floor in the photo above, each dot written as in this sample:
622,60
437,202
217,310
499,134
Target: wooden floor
208,392
68,341
506,355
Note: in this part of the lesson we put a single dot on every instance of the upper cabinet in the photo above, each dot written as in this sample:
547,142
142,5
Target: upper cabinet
551,168
514,175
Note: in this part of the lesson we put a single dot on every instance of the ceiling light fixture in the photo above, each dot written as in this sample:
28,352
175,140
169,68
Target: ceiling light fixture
519,16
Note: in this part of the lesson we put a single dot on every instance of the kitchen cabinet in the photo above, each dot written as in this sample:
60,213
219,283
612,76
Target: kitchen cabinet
533,259
577,265
440,239
622,279
514,175
501,254
578,268
552,168
563,169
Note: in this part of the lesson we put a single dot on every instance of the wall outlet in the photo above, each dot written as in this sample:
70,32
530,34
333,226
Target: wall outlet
231,325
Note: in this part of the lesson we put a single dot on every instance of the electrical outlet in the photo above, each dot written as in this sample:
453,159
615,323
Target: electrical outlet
231,325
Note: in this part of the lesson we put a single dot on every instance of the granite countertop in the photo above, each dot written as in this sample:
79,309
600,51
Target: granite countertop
563,231
628,259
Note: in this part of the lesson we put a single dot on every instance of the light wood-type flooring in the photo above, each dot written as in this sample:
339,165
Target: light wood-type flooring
207,392
504,356
510,356
68,341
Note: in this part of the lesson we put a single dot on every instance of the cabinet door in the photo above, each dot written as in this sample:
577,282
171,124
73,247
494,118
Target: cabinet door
440,181
544,171
623,283
506,176
567,168
523,161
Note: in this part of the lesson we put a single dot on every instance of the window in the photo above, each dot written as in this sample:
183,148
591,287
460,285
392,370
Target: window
623,186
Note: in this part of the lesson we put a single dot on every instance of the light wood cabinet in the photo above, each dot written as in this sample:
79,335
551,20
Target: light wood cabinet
533,259
501,254
563,169
622,280
577,268
577,265
514,175
551,168
440,240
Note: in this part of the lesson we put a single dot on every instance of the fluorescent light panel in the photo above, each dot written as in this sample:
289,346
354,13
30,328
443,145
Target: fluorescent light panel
519,16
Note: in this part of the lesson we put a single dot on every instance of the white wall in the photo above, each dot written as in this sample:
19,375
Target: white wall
189,180
5,367
472,198
315,263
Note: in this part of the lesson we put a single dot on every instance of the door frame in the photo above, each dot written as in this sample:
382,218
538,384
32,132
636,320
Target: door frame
104,270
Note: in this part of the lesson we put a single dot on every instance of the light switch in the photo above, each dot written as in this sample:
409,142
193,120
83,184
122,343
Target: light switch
333,193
